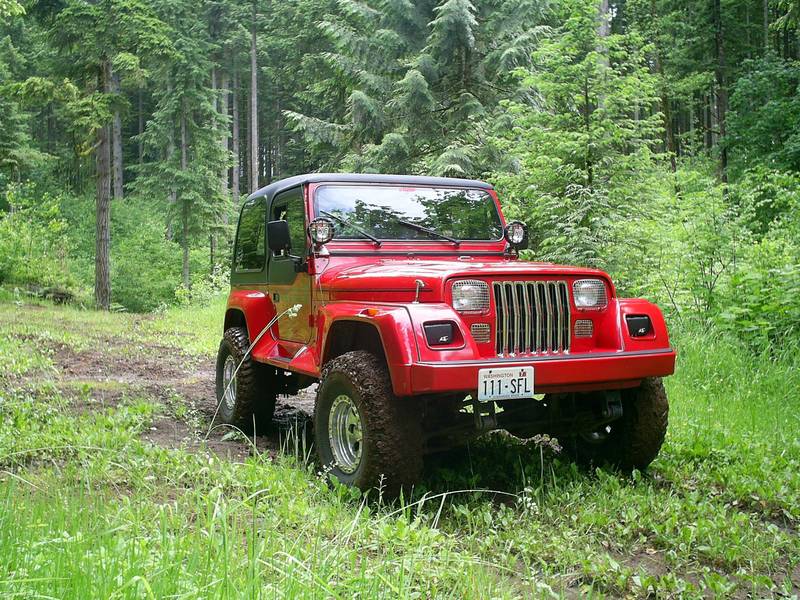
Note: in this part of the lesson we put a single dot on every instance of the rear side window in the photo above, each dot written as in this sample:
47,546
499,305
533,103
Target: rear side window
251,254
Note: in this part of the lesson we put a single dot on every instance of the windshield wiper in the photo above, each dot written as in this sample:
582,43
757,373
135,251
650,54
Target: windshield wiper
347,223
416,227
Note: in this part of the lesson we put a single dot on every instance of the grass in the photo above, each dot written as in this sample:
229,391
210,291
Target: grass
89,509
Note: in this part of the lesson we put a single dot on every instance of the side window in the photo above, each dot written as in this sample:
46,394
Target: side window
289,207
251,252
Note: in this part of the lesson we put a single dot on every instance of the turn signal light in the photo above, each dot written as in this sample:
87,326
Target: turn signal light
584,328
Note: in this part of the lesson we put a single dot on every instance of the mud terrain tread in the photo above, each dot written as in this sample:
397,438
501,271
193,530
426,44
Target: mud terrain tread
392,458
253,396
646,426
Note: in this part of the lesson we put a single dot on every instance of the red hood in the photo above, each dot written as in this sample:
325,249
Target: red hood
344,278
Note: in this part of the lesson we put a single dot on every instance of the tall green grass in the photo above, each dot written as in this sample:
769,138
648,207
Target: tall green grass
88,509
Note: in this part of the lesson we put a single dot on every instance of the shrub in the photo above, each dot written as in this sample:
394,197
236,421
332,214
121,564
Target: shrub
34,250
145,267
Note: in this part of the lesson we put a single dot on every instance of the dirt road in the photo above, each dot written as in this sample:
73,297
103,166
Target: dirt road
111,369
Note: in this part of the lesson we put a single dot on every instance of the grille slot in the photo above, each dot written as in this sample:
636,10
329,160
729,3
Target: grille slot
531,317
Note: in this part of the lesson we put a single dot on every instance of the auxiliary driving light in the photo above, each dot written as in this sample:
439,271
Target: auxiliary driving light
439,334
516,234
320,231
639,325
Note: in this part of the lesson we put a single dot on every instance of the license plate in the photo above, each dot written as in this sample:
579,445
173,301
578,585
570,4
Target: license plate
507,383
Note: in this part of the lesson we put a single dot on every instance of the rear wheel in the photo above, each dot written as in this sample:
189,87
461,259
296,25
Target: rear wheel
247,394
634,440
364,434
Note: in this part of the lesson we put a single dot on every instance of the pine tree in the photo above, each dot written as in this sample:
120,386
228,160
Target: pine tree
414,76
590,129
94,35
183,136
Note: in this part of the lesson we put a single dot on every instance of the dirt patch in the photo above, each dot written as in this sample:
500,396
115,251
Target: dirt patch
104,366
111,372
170,432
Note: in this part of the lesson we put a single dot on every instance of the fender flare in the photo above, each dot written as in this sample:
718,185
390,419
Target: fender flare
256,309
395,330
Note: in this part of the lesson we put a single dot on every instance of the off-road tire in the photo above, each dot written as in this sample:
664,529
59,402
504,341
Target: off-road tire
636,438
392,446
255,398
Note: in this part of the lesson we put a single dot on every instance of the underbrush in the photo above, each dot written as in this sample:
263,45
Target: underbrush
88,508
47,243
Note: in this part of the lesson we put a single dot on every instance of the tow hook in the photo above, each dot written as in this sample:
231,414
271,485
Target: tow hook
484,415
612,406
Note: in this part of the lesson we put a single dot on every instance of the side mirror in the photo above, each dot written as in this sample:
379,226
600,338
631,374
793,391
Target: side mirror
278,236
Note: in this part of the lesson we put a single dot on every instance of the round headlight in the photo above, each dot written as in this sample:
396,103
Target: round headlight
320,231
590,293
516,234
471,296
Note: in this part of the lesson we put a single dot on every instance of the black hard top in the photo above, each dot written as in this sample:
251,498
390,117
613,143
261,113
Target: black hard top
290,182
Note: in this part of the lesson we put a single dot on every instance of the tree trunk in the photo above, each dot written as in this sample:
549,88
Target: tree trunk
224,84
279,162
253,106
212,250
766,25
587,123
722,89
140,130
235,140
102,269
185,201
116,138
669,132
173,192
603,30
267,161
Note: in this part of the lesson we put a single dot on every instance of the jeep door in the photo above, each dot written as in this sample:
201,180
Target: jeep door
288,283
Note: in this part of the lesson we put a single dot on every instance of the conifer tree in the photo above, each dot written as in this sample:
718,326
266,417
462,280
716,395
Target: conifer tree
183,136
94,35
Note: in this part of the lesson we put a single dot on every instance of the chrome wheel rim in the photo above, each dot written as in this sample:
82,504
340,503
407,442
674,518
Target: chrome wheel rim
345,433
229,382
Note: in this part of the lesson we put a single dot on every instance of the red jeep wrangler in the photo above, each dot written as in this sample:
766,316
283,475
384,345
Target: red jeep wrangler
424,329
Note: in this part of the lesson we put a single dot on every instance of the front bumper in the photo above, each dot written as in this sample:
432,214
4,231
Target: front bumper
552,374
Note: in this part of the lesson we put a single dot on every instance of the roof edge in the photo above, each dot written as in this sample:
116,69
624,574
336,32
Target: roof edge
290,182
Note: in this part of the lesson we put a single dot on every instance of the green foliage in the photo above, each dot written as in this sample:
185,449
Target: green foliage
609,146
762,301
584,142
146,266
419,82
765,111
10,8
715,514
47,242
32,241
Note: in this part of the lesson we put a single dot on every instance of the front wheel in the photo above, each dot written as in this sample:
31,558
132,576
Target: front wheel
366,436
634,440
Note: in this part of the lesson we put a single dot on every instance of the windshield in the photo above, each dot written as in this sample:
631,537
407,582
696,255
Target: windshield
403,213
